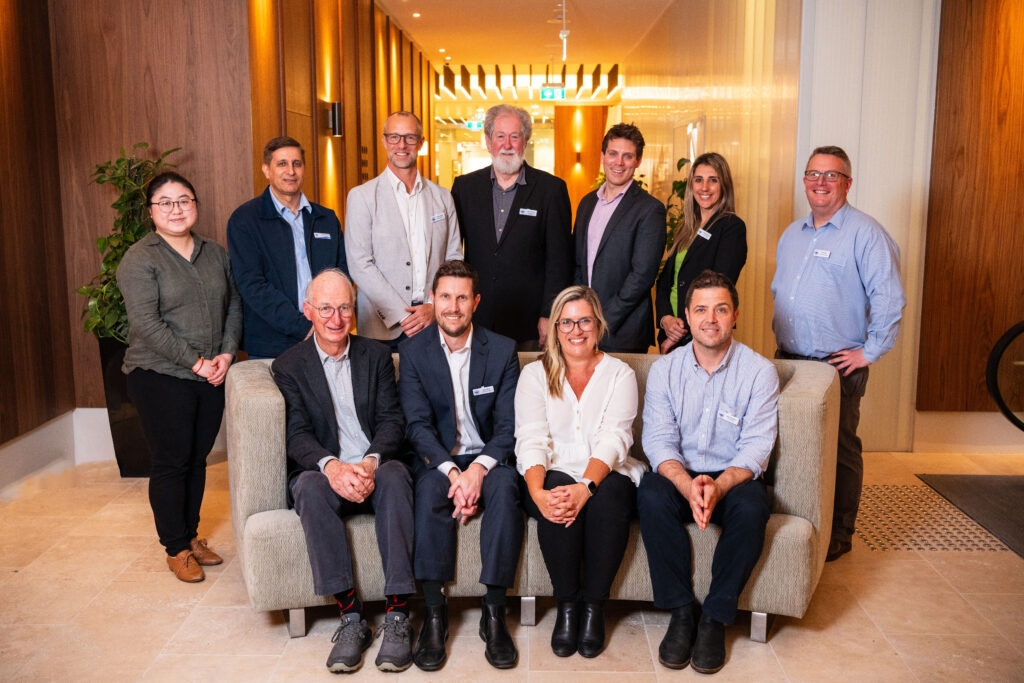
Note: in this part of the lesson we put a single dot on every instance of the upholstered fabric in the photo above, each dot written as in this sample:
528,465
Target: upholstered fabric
801,477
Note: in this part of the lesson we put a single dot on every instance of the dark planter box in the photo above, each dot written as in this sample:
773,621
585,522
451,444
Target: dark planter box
125,426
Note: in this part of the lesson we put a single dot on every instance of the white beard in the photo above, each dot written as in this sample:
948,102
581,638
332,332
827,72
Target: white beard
507,163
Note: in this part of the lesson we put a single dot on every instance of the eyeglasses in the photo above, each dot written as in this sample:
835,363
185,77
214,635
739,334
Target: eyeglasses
394,138
830,176
166,205
327,311
500,138
567,325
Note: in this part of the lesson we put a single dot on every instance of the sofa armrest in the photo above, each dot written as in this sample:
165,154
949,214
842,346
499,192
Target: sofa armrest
255,420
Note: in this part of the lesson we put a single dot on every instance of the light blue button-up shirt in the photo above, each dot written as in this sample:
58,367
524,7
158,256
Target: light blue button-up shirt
837,287
352,440
294,221
709,422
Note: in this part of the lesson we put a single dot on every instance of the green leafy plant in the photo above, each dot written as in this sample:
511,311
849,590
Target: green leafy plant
673,213
104,314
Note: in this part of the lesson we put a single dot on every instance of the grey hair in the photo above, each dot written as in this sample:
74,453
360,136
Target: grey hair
419,124
329,271
502,109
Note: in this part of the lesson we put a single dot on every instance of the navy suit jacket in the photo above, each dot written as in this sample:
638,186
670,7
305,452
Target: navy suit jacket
428,399
263,263
724,252
521,273
312,428
625,267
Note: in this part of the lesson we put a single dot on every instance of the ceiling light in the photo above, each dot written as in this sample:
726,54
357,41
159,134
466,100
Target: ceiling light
441,50
415,15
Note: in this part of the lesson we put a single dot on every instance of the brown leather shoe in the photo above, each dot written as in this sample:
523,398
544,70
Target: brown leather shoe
204,555
185,567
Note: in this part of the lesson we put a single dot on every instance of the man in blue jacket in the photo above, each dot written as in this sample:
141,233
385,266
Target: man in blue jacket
278,242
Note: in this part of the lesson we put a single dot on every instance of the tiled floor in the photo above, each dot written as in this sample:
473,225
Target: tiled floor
85,595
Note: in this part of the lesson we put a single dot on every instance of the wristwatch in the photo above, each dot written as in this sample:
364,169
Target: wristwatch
591,486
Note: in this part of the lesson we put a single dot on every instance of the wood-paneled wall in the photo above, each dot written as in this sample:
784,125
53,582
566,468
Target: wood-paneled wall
973,286
579,129
36,379
170,73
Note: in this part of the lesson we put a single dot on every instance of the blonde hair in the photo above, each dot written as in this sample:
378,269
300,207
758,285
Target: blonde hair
691,209
551,358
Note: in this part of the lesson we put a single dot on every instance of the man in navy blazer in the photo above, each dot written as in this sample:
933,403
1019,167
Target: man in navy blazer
620,239
516,226
277,243
344,439
458,382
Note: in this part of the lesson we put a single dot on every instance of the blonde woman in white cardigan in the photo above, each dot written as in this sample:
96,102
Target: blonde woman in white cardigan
574,417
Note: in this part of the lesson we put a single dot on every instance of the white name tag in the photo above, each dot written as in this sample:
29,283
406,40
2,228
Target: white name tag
728,417
527,212
438,217
479,391
704,233
822,253
321,235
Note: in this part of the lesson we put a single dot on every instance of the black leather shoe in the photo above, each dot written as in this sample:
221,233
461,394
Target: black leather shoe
591,638
709,648
563,638
500,651
430,654
676,646
837,549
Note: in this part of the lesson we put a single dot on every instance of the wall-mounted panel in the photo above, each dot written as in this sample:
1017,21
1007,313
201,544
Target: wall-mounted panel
578,134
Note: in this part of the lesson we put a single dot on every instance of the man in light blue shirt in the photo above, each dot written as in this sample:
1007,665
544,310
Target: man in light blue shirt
710,421
838,299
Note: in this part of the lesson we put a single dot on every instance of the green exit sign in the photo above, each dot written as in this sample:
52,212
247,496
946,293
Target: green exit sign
552,93
475,125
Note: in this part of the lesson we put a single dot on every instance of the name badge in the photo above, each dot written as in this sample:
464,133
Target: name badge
728,417
321,235
480,391
704,233
527,212
822,253
438,217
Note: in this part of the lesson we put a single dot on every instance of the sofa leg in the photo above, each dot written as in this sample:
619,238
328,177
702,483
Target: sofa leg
297,622
528,611
760,622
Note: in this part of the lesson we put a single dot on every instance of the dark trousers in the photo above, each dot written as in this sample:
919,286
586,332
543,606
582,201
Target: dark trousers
393,343
595,543
849,451
180,419
320,510
501,529
742,514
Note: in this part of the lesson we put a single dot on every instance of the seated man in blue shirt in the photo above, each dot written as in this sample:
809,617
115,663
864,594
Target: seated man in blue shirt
710,420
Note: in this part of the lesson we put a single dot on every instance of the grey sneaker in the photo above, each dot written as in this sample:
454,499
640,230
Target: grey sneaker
350,640
395,652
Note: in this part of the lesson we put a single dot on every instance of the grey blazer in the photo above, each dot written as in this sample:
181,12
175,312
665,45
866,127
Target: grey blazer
378,251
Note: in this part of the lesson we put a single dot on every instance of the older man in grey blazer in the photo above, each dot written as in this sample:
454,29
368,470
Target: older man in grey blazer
399,227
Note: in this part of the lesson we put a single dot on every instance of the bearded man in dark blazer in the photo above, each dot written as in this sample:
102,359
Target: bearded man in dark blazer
516,225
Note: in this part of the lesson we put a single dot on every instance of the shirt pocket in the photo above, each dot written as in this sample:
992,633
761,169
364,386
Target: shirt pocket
728,422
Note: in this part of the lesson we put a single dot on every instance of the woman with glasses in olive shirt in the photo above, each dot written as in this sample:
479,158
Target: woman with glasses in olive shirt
185,320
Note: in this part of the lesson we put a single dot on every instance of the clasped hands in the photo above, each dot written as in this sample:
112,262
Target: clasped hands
352,482
562,504
464,491
703,494
215,369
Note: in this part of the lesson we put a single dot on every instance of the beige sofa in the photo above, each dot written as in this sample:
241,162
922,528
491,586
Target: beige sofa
801,476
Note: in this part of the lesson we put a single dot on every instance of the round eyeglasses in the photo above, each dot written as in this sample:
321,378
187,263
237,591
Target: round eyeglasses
567,325
166,205
327,311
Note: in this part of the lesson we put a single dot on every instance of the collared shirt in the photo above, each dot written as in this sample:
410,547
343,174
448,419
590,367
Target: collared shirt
564,433
353,442
837,287
469,441
710,422
410,207
603,211
294,221
503,199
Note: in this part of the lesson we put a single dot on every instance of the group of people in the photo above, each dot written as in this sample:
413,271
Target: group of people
457,283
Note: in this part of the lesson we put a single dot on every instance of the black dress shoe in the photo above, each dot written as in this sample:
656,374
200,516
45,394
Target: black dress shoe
563,638
676,646
709,648
430,654
500,651
591,638
837,549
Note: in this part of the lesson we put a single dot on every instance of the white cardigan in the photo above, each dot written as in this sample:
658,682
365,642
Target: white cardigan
564,434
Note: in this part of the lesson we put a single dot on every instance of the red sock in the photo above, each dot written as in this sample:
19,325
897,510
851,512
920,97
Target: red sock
349,601
398,603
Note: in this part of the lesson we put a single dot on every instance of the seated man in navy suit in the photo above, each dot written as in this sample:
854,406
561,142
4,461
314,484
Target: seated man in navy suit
458,382
344,442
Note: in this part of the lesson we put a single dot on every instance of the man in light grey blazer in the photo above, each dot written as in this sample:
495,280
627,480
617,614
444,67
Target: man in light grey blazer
399,227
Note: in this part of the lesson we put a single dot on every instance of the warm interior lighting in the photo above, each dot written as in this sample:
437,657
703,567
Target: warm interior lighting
334,119
415,15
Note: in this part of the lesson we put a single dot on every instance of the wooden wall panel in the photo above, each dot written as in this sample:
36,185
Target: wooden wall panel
173,74
973,289
36,378
579,129
297,34
328,60
382,101
266,80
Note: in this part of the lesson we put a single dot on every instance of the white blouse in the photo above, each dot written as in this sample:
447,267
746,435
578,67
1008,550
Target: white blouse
564,434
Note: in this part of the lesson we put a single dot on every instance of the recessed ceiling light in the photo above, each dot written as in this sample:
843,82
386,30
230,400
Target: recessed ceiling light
441,50
415,15
448,58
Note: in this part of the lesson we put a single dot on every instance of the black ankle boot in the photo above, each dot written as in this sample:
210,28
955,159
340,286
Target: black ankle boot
500,650
676,646
430,654
563,638
591,638
709,648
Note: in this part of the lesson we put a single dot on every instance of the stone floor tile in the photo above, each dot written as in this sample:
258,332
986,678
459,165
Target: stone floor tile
959,657
229,631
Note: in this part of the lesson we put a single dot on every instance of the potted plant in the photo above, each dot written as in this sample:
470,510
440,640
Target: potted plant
104,314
